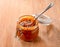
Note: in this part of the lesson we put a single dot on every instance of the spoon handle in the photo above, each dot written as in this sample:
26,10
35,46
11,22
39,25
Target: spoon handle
48,7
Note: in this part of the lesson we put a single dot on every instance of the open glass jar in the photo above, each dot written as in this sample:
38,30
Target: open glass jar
27,32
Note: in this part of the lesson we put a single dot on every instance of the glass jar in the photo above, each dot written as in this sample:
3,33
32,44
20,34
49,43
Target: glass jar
27,33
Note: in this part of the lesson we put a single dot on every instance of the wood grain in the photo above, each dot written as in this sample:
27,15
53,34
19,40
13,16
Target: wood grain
11,10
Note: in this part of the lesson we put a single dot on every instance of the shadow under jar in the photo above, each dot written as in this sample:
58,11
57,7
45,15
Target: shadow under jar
25,30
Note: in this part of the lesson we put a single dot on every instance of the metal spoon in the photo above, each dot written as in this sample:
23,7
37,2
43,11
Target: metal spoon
36,16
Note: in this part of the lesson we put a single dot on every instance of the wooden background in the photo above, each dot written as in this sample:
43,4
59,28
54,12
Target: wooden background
11,10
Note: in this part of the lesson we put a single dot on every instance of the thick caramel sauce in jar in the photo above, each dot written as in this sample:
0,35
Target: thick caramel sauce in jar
25,30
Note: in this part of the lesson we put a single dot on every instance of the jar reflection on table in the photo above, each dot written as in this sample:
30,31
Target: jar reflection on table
27,33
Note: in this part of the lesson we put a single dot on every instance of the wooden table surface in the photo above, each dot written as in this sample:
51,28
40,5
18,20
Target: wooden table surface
11,10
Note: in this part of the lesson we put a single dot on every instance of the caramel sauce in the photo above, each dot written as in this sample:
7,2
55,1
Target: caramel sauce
27,23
